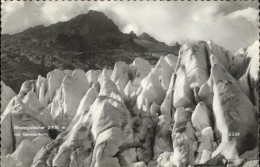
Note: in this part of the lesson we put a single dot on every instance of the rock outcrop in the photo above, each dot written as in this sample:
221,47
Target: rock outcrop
198,108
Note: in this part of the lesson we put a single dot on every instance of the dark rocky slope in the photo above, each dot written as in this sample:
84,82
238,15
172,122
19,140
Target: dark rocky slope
88,41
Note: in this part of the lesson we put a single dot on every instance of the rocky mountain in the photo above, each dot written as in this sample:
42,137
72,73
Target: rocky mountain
198,108
147,37
88,41
91,31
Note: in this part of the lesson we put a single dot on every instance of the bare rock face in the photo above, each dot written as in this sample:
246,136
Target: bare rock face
199,108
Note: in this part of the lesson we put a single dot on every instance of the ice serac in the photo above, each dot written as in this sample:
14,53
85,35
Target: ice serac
226,58
107,127
163,136
250,52
25,152
84,105
138,164
238,60
23,113
121,72
235,116
141,69
164,69
152,91
110,134
167,107
183,137
206,146
192,73
197,108
138,70
92,76
201,117
46,88
201,121
217,55
6,95
249,73
105,73
193,57
171,60
182,96
68,97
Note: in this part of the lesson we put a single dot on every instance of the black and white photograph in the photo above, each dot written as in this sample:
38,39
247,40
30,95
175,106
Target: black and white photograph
145,83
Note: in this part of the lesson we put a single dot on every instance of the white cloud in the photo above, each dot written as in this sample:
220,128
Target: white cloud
250,14
9,7
235,29
56,11
131,27
232,25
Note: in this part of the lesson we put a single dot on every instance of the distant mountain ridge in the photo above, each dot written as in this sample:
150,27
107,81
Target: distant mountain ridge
90,31
87,41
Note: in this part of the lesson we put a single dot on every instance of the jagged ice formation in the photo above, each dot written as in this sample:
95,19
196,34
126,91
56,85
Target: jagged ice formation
198,108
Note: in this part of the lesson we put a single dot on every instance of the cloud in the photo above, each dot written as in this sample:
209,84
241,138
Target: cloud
55,11
250,14
18,15
10,7
131,27
232,25
235,29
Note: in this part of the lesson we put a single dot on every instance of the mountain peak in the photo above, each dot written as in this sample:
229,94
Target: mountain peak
147,37
132,34
91,13
97,21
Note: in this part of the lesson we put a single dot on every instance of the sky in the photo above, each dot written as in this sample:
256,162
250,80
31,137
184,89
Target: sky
232,25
